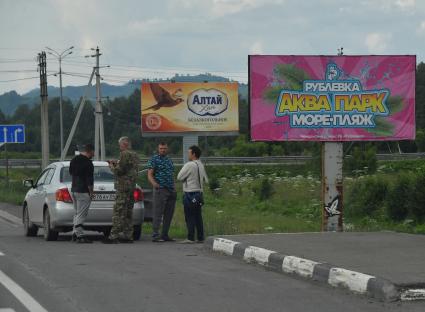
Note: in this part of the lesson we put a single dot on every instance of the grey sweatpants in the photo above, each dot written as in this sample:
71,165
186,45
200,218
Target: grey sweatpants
81,206
164,202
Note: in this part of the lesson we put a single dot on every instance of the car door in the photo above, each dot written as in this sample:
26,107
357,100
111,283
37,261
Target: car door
50,187
36,200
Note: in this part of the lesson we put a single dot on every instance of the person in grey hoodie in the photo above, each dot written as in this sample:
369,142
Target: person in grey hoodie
193,176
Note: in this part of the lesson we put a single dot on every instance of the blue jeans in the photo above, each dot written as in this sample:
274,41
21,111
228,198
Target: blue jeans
193,218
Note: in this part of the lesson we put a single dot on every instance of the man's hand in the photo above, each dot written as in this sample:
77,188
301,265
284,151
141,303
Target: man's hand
112,163
91,193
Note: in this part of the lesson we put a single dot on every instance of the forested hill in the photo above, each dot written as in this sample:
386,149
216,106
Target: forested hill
10,101
122,117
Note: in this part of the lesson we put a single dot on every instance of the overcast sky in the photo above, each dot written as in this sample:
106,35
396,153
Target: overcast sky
146,38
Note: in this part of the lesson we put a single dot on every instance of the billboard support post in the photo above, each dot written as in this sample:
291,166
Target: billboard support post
188,141
332,186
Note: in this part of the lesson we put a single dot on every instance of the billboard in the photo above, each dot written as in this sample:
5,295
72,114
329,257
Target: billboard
332,98
187,107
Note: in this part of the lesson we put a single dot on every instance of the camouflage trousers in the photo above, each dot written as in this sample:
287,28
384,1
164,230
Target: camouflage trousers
122,216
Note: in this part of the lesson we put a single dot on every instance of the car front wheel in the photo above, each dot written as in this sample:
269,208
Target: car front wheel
49,234
30,229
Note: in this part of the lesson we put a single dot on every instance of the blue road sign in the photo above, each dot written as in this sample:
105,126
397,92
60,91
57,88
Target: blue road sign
12,133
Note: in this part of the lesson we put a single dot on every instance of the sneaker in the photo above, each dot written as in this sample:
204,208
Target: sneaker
168,239
83,240
158,240
110,241
187,241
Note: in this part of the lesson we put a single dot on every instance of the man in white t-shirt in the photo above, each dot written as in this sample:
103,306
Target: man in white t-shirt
193,176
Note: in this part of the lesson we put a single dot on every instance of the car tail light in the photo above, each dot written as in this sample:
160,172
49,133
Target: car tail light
138,195
63,195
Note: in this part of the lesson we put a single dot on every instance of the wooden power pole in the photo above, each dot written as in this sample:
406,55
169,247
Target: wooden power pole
45,151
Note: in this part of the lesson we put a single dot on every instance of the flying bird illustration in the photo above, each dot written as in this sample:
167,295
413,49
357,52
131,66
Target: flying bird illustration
332,207
164,98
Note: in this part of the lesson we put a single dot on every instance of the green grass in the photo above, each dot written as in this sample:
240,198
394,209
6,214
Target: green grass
234,207
14,192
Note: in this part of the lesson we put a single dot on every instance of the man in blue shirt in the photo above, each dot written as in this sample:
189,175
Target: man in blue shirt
161,176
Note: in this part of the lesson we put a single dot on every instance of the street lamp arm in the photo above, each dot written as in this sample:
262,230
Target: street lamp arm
56,53
70,52
67,50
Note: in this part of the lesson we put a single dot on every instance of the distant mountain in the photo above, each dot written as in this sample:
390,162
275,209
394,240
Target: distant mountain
9,101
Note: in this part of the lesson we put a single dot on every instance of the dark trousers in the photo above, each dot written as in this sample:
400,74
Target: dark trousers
193,218
163,210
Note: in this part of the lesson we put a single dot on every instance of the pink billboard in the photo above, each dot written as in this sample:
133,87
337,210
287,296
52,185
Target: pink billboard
332,98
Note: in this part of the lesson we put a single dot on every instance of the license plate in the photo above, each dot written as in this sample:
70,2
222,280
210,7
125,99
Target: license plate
104,196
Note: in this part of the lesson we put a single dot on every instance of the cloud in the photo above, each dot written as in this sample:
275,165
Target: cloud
145,26
421,28
221,8
256,48
377,42
405,4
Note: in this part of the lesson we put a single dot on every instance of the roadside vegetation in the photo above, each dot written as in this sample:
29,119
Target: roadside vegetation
286,198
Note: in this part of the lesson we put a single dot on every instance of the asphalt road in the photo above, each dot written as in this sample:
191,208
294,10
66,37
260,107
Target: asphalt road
63,276
397,257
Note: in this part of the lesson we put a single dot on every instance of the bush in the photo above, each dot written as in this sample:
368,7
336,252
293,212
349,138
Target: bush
264,191
399,197
214,184
417,207
367,196
420,140
363,160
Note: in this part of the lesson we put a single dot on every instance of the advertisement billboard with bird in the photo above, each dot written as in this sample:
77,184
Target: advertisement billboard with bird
184,107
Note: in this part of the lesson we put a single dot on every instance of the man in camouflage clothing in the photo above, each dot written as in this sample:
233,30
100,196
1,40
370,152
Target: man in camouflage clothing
125,171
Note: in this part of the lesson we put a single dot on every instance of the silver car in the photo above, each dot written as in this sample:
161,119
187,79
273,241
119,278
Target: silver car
49,205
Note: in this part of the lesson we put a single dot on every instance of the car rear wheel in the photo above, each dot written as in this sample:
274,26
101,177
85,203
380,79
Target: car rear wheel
137,232
30,229
49,234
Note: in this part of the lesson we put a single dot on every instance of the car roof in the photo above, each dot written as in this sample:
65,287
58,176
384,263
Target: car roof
96,163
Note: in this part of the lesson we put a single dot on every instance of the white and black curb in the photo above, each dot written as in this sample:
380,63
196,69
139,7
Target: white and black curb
322,272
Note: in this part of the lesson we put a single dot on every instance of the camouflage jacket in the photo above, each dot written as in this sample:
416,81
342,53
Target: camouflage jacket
126,170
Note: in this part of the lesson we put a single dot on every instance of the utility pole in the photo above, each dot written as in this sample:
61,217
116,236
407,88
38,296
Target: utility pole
99,133
60,57
44,110
333,183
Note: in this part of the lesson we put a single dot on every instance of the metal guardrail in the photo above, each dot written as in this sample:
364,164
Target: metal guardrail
36,163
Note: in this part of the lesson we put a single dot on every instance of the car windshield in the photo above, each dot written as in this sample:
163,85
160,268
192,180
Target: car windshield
101,174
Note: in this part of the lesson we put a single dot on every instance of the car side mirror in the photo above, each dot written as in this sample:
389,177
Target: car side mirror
28,183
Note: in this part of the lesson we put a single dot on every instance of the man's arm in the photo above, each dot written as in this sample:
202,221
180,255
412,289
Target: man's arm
71,167
184,172
151,178
121,167
90,179
205,176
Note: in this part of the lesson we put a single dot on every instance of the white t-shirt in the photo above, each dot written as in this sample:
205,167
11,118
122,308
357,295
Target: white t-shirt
190,178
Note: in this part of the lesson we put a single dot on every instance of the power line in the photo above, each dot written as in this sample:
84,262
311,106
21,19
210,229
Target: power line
27,78
16,61
19,71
